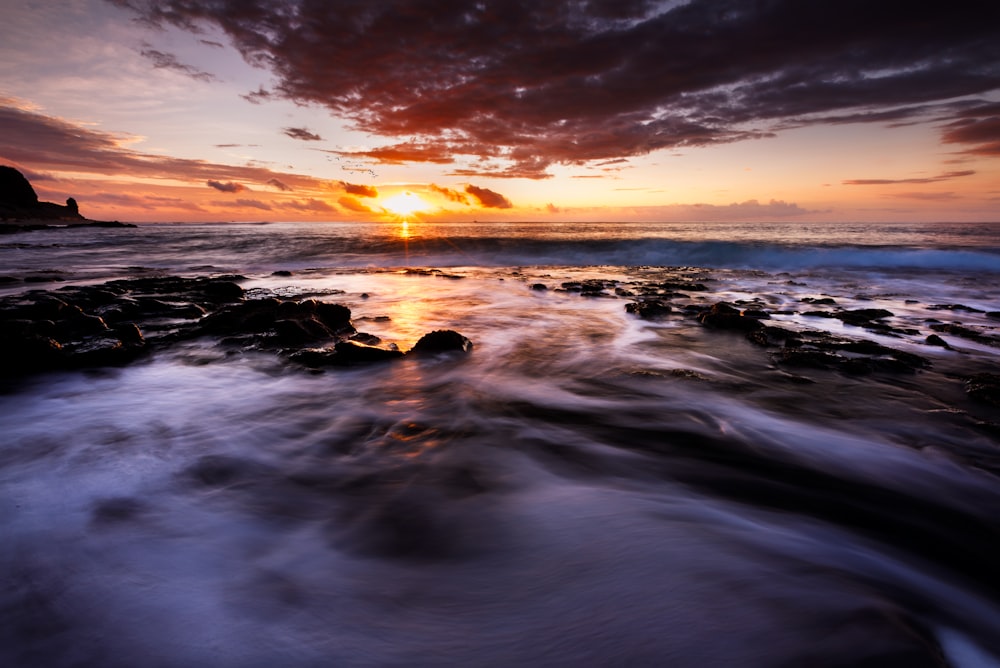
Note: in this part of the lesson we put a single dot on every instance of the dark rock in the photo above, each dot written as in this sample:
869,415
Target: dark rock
688,286
935,340
352,353
442,341
769,335
15,190
964,332
818,300
649,309
862,316
726,316
281,272
540,287
984,387
993,314
343,354
18,201
953,307
367,339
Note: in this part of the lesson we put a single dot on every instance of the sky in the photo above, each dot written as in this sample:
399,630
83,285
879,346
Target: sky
564,110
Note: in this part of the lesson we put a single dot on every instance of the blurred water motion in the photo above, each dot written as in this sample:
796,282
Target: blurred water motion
585,488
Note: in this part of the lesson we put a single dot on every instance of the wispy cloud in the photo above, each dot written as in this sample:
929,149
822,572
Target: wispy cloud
168,61
359,189
922,179
28,137
227,187
302,133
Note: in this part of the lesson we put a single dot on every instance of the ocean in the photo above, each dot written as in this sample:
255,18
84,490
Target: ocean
589,486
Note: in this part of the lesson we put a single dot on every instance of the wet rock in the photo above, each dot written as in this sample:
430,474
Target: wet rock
935,340
686,286
726,316
984,387
862,316
367,339
954,307
352,353
819,300
442,341
649,309
968,333
769,335
282,273
539,287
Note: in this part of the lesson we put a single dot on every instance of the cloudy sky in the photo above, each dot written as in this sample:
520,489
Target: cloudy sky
506,110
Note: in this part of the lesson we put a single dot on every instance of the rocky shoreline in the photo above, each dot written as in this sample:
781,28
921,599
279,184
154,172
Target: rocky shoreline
114,323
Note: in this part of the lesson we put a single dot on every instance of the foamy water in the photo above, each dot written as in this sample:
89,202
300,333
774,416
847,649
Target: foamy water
585,488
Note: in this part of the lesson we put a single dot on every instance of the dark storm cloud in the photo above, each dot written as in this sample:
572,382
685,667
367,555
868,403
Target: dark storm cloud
302,133
227,187
925,179
168,61
569,81
358,189
488,199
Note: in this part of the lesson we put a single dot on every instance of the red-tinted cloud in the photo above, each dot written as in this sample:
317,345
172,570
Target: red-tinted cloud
48,143
279,185
530,84
487,198
302,133
450,194
228,187
359,189
352,204
979,126
927,179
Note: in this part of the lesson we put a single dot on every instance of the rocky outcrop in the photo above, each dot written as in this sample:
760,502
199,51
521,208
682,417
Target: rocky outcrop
80,327
21,211
19,201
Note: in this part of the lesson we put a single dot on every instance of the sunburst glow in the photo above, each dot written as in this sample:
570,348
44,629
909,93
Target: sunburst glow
404,204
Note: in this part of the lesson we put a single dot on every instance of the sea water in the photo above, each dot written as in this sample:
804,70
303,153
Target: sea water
584,488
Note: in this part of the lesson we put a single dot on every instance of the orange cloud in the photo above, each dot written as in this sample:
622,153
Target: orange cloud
487,198
359,189
352,204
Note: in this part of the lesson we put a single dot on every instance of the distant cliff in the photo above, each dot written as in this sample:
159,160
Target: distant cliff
18,201
20,209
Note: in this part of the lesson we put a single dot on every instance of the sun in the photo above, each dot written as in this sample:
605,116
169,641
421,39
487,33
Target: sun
404,204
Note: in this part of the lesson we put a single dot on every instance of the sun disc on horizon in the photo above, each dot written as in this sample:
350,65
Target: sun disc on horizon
404,204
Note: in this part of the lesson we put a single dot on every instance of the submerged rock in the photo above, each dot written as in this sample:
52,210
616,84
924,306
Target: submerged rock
984,387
